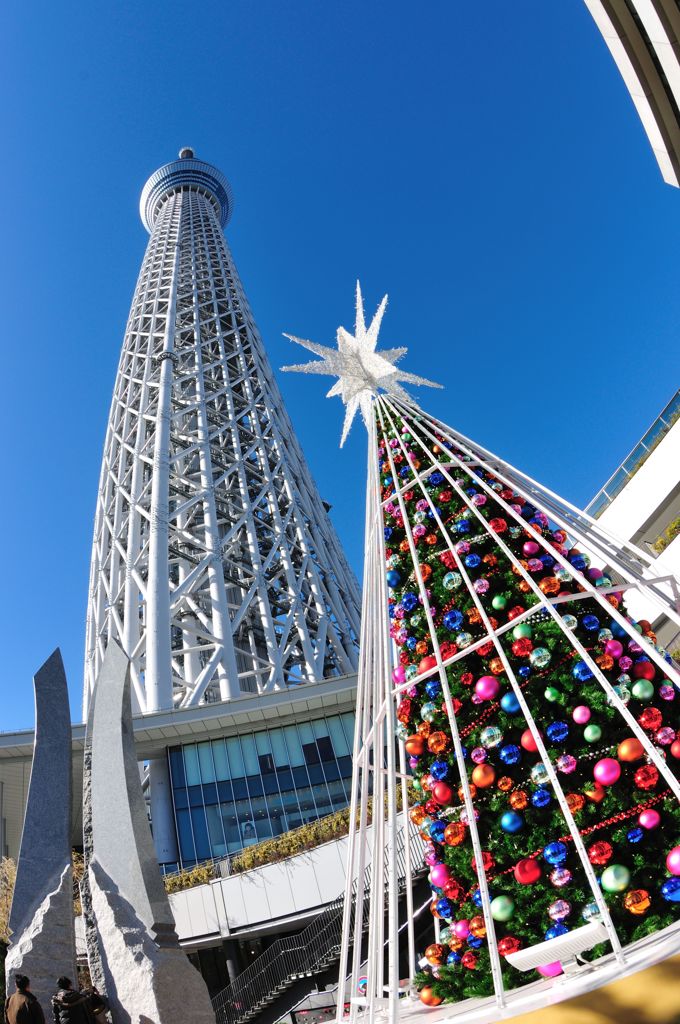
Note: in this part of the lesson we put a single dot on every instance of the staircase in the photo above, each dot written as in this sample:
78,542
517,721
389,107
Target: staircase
307,955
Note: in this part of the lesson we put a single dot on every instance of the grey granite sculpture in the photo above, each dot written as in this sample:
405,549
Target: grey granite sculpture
149,980
94,957
41,920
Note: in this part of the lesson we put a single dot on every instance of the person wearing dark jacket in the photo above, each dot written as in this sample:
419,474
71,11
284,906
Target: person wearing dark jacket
70,1007
22,1007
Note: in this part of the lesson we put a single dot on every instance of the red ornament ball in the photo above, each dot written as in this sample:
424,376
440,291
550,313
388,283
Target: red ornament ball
509,944
651,718
442,792
469,960
643,670
528,742
527,871
675,749
646,777
427,664
600,853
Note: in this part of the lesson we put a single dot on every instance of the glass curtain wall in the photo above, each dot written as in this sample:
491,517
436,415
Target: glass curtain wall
233,792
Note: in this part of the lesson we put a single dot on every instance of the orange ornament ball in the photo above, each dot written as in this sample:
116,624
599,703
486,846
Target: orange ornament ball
437,742
417,814
428,997
415,746
477,927
505,783
630,750
575,802
594,792
425,572
637,901
483,775
454,833
434,954
496,666
518,800
424,729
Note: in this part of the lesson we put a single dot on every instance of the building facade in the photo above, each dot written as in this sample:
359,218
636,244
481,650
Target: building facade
214,563
643,37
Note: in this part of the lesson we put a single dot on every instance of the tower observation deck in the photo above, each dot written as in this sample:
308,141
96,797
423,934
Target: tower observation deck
214,562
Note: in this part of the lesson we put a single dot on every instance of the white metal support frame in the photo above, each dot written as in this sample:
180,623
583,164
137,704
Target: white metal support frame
383,403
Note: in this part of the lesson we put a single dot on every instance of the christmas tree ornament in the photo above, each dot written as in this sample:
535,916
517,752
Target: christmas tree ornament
488,619
673,861
650,818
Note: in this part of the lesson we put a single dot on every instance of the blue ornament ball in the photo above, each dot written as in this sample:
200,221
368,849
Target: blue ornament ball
635,835
555,930
439,770
453,958
445,908
581,672
555,853
436,830
510,754
472,561
557,731
477,898
387,532
393,579
670,890
524,671
541,797
512,822
409,601
453,619
474,942
590,622
509,703
433,688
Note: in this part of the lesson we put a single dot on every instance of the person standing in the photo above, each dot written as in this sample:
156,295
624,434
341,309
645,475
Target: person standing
22,1007
69,1006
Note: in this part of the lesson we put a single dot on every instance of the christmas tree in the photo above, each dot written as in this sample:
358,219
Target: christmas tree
538,722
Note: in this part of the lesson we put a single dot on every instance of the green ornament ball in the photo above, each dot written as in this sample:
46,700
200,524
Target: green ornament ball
643,689
592,733
615,878
499,602
521,631
502,908
551,694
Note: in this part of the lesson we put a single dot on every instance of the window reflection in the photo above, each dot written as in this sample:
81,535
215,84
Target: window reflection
232,793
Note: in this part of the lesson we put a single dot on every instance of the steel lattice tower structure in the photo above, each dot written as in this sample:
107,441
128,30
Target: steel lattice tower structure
214,563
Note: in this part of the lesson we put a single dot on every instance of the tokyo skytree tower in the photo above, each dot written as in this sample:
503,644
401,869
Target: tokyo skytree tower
214,563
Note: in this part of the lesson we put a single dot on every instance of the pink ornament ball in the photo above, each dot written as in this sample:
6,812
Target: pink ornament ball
487,687
581,714
650,818
461,929
530,548
614,648
607,771
440,875
673,861
550,970
431,858
399,674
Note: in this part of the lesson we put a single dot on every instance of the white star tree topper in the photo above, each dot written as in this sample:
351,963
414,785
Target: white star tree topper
361,371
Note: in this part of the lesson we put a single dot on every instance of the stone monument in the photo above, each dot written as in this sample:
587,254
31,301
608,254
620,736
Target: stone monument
149,980
41,920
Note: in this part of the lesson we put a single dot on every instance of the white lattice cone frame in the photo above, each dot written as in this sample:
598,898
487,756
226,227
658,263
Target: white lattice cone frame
378,699
214,564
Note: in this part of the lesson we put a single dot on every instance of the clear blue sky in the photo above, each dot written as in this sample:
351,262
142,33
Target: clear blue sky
482,163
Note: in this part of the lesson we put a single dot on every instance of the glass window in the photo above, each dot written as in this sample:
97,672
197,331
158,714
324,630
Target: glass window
221,761
195,796
186,837
279,748
177,767
266,762
218,845
250,755
306,732
322,800
181,798
338,738
348,726
245,822
311,753
319,727
238,768
210,793
255,787
294,746
206,762
200,827
231,829
191,765
263,743
325,748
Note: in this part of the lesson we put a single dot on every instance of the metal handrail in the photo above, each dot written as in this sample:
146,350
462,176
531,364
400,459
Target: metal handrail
308,953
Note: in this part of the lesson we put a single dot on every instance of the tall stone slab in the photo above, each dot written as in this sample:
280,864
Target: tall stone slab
149,980
41,920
